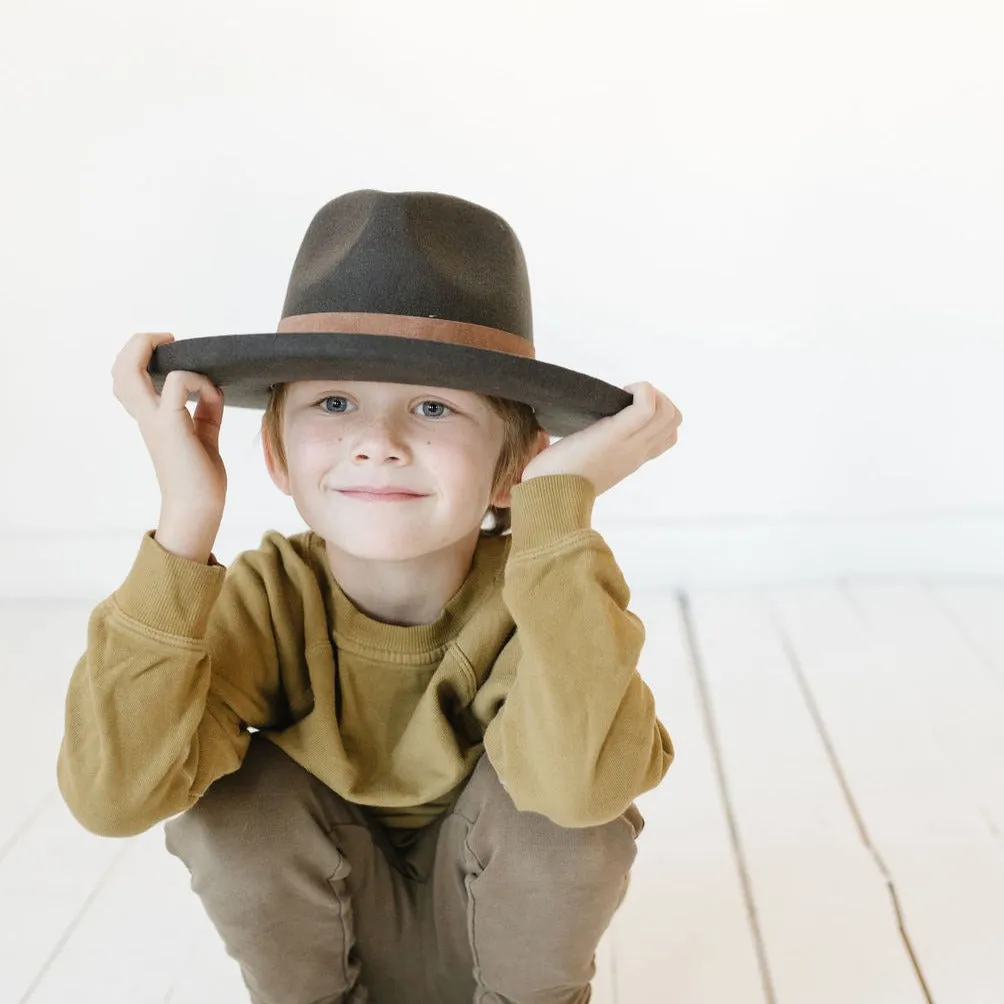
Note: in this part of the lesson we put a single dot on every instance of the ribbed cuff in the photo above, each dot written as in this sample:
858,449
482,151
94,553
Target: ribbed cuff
169,593
550,507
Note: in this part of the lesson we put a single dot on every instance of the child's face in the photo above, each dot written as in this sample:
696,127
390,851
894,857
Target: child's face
440,443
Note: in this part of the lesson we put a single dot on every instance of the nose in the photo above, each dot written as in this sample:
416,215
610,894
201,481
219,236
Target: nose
379,440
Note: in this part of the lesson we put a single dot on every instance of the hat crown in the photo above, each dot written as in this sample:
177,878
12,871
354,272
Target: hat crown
421,254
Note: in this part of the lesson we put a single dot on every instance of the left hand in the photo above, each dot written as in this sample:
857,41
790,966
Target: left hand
609,450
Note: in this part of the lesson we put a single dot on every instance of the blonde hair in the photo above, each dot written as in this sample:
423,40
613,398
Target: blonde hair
521,430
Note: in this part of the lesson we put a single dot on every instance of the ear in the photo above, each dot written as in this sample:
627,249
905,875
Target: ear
503,498
280,478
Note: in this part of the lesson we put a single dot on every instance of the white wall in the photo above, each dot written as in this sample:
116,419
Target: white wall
788,216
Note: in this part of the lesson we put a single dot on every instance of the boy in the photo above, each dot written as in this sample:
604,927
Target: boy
437,802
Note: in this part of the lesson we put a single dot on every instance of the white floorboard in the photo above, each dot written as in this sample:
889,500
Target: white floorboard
39,643
977,611
206,972
829,930
963,706
683,934
915,801
131,942
47,881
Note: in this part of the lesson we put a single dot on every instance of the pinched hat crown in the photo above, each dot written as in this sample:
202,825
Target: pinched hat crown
411,254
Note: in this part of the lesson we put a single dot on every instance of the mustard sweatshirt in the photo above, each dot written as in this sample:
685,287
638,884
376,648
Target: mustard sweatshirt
533,661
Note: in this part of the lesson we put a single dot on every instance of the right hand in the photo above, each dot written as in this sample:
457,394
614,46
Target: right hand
184,447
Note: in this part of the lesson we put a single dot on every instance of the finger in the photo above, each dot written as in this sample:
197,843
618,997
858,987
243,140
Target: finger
664,430
137,352
179,385
208,415
670,411
641,392
131,382
648,396
659,433
153,341
639,415
154,338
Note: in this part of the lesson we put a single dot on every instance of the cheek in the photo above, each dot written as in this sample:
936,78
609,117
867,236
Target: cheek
312,444
469,471
310,455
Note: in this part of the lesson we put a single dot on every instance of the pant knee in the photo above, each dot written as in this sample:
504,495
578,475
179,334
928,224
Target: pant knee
541,849
593,857
540,893
256,811
258,846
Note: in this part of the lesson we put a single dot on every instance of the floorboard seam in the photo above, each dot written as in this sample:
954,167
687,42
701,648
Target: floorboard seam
982,656
831,754
711,730
75,923
28,820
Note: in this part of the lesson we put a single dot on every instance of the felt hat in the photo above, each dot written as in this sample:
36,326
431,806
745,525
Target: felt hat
402,287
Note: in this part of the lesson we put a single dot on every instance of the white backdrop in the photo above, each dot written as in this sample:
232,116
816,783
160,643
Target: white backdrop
788,216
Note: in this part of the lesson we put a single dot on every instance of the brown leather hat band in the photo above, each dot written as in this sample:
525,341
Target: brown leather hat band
430,329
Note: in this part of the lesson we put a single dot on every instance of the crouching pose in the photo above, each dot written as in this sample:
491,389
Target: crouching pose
398,751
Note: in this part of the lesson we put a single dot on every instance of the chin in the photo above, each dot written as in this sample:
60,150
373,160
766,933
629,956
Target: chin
383,541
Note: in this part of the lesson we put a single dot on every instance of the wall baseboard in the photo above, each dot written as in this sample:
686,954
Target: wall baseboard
656,556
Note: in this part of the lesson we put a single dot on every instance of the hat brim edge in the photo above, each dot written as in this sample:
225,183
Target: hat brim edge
246,366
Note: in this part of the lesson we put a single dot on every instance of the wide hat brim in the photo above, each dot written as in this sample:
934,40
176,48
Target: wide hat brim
245,366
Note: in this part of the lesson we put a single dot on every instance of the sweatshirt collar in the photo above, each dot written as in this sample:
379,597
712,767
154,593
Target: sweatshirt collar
355,630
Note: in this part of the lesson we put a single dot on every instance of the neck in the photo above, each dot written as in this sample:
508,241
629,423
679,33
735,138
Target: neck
404,593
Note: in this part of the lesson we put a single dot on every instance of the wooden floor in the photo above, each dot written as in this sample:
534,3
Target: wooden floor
832,830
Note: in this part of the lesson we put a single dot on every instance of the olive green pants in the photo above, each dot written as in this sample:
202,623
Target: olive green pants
490,904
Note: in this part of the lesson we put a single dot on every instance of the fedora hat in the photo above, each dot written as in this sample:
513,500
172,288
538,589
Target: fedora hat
402,287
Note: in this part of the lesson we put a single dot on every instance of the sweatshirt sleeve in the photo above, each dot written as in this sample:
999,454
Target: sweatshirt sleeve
577,738
178,661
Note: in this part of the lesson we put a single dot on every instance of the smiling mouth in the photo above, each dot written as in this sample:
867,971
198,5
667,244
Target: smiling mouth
381,496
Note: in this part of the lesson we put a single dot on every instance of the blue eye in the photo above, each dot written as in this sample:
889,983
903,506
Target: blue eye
333,411
435,404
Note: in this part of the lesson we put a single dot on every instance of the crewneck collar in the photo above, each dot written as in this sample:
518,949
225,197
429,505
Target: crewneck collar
355,630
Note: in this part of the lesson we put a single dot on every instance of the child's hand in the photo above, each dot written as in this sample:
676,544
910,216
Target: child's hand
184,448
612,448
